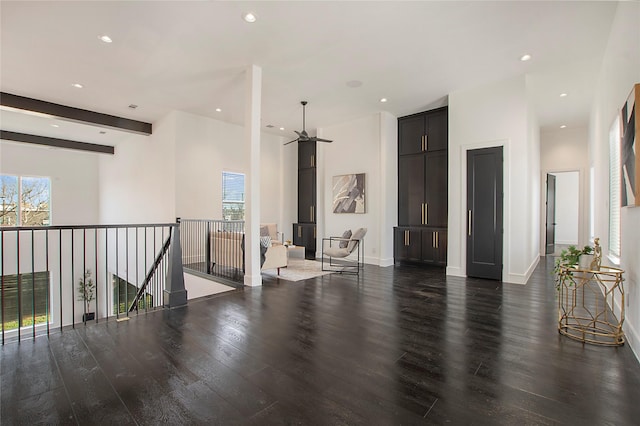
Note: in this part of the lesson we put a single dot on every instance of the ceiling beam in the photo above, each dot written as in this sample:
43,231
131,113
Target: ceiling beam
77,115
55,142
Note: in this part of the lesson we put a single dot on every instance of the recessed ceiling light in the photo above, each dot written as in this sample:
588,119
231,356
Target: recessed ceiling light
354,83
77,85
105,38
102,132
383,100
55,125
525,57
133,106
218,110
564,126
281,128
562,95
270,126
250,17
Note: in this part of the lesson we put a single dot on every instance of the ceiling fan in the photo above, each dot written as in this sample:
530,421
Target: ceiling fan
303,136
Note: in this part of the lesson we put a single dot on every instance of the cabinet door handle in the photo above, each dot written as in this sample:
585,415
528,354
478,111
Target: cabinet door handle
437,240
312,159
433,239
425,219
426,143
422,213
299,232
314,232
422,141
469,219
406,237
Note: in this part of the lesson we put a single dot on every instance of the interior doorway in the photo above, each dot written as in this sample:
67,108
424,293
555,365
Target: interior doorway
564,219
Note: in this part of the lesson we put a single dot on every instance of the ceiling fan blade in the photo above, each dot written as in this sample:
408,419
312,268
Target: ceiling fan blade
298,133
295,140
321,140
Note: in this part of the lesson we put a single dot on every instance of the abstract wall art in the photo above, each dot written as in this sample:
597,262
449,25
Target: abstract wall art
629,158
348,193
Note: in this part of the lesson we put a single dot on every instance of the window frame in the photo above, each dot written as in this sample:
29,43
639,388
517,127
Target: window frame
241,203
20,207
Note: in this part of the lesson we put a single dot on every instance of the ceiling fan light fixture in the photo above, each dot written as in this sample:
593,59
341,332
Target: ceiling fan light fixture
383,100
525,58
563,95
105,38
77,85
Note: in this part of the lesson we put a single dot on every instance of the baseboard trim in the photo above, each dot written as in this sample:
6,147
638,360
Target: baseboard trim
455,271
522,279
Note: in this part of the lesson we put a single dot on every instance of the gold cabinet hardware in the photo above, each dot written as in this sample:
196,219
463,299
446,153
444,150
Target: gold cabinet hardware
426,214
437,240
469,219
314,232
299,232
433,239
406,237
422,213
426,143
422,140
313,160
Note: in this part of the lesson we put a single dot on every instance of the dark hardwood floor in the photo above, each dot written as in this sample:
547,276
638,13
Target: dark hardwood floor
396,345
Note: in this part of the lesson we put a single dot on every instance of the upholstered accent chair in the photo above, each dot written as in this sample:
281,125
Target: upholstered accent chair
344,254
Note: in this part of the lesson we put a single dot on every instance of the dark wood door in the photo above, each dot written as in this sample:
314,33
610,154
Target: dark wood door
307,195
437,133
484,213
411,179
304,235
435,198
407,244
306,155
551,215
411,132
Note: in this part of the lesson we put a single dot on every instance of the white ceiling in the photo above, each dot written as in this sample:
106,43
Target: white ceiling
191,56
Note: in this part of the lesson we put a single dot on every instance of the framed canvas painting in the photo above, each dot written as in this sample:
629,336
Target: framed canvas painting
348,193
629,158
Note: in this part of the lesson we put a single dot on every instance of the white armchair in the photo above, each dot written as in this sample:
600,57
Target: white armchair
344,254
276,255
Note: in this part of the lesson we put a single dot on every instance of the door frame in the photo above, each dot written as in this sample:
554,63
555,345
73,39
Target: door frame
506,203
583,205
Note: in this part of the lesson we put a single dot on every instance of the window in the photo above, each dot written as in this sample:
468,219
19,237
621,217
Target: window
34,207
34,299
232,196
614,189
124,293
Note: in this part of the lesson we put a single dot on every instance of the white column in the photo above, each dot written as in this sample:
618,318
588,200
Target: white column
253,87
388,186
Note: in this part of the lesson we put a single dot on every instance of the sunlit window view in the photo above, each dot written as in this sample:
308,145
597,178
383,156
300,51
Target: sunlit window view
25,201
232,196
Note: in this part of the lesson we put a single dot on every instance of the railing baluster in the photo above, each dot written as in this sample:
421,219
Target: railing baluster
2,280
60,276
19,283
46,243
33,286
84,277
73,280
95,257
126,273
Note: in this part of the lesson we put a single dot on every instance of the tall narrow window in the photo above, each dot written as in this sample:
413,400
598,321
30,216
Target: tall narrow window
8,200
35,196
232,196
614,189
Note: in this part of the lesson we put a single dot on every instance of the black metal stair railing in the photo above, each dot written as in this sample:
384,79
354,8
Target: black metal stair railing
152,274
214,248
53,277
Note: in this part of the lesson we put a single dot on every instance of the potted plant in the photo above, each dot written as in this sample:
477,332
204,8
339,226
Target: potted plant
86,294
571,258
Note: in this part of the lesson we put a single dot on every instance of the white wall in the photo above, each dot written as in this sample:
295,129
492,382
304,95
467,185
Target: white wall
74,178
366,145
205,148
495,115
564,150
620,71
137,184
567,207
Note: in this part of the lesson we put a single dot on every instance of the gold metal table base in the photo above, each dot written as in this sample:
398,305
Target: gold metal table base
587,305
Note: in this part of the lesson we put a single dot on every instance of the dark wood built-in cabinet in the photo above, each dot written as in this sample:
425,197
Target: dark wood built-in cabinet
304,232
421,235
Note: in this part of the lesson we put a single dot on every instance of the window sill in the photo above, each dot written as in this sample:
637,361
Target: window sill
614,259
